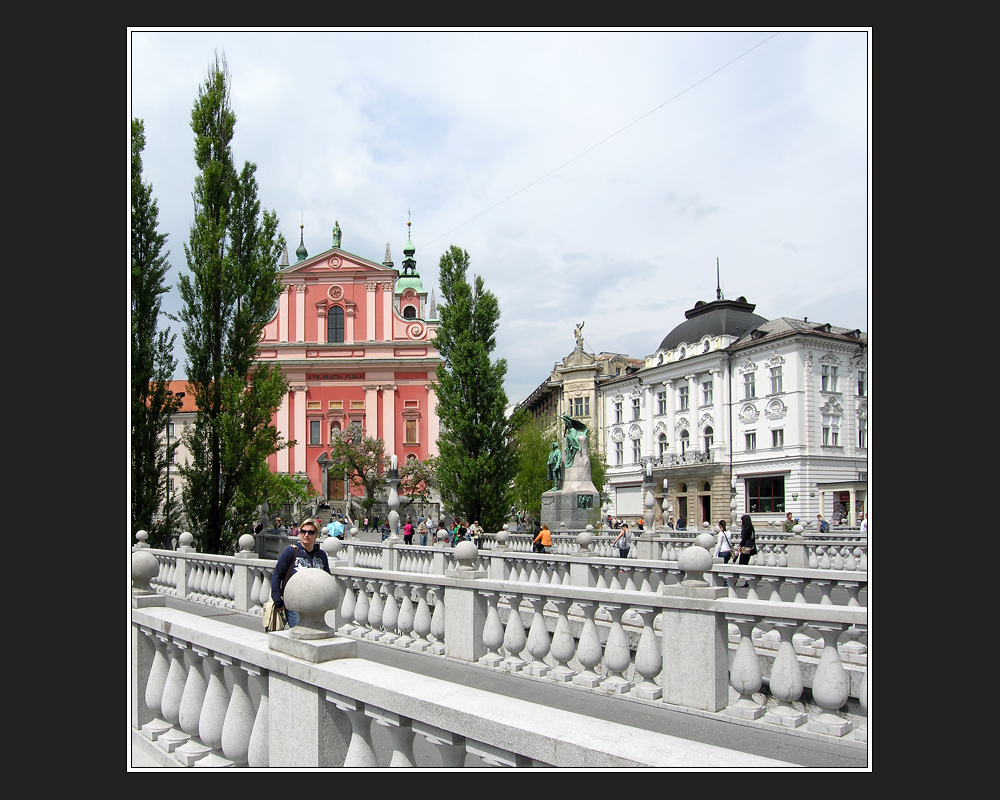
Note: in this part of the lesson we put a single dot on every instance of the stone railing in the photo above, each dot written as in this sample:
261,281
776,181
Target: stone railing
207,694
639,630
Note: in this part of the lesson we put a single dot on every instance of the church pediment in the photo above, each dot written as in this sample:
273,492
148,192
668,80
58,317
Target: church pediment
337,262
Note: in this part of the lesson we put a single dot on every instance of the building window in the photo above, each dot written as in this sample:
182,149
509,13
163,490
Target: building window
409,313
706,393
170,430
862,383
685,441
635,409
314,431
411,431
831,431
661,403
636,451
662,444
709,439
863,433
829,378
682,398
778,437
618,411
619,453
335,324
750,441
776,381
749,386
580,407
765,495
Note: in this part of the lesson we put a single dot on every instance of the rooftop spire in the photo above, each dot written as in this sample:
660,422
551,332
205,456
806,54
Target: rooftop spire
718,283
300,251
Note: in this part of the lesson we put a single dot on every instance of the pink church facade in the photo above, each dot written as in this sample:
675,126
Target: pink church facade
355,339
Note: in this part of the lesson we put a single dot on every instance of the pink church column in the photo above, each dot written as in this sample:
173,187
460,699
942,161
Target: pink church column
433,428
283,412
283,314
386,310
371,410
301,434
389,418
300,313
370,310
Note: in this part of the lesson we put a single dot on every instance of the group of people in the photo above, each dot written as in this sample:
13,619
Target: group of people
747,546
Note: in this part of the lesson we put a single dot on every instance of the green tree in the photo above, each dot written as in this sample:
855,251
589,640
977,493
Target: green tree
417,481
534,440
362,461
230,294
477,457
153,361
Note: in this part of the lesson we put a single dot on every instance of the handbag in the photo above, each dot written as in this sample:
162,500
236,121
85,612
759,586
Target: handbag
274,617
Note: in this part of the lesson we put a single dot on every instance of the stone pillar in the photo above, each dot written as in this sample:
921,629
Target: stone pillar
304,729
370,310
300,312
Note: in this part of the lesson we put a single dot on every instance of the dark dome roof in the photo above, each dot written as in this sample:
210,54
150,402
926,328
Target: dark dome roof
730,317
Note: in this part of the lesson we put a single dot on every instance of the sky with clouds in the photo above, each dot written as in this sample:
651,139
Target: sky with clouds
592,176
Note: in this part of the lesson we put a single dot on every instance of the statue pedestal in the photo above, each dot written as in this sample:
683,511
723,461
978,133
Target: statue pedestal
577,501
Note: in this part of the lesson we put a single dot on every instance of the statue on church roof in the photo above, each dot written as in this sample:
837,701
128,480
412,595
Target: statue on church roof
579,335
336,233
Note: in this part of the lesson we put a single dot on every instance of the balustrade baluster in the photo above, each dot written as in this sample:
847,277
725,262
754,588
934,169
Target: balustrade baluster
538,638
360,753
799,587
813,557
406,616
449,745
617,657
421,620
648,656
361,611
514,639
258,753
838,558
173,688
219,594
831,685
240,714
157,674
437,624
588,651
562,646
786,678
375,615
400,734
213,709
255,588
744,672
347,607
390,616
493,632
861,733
193,696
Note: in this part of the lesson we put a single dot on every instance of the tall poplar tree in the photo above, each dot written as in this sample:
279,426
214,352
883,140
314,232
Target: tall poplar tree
231,293
153,361
477,451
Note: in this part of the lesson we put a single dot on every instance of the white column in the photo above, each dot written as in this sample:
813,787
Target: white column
283,314
370,310
671,387
301,434
386,311
283,413
433,425
300,313
719,423
389,418
371,410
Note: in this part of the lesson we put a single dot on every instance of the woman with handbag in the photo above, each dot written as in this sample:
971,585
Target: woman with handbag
748,540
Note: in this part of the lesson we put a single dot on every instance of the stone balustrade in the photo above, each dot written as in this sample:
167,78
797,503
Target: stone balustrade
645,631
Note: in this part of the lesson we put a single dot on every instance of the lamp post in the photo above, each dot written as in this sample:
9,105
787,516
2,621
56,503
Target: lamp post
170,409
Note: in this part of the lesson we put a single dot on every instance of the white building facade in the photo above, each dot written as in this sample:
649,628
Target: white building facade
776,411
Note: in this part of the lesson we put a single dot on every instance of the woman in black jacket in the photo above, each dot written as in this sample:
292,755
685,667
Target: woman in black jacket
748,540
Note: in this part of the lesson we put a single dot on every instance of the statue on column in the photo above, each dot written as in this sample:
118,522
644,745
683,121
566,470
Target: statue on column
578,333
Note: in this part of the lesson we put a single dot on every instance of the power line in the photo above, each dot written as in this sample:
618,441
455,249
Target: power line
598,144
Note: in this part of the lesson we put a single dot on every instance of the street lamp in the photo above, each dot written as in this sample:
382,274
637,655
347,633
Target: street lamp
170,409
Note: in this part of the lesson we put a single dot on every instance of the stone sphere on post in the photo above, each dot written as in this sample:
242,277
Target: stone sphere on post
332,547
466,554
246,543
145,567
311,592
696,560
186,539
141,537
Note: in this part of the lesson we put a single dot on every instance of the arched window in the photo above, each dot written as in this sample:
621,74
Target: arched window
409,313
685,441
709,438
662,442
335,324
